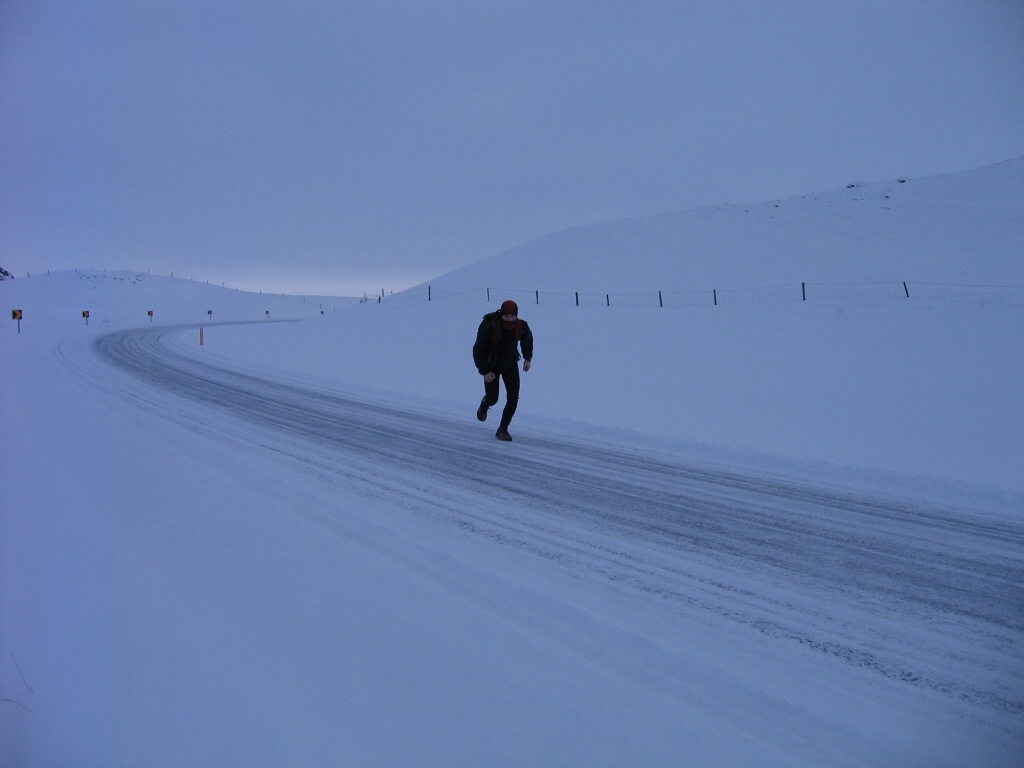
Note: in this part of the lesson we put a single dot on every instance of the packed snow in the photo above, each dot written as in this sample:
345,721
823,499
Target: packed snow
764,503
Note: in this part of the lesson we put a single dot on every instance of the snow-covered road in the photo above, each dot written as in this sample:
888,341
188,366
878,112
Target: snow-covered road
928,597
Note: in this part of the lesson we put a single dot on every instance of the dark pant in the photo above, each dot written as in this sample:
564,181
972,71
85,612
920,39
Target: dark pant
511,379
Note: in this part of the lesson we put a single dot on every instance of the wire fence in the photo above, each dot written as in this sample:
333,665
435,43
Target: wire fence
986,295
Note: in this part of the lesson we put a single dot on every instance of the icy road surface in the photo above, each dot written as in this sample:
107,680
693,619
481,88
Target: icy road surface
931,598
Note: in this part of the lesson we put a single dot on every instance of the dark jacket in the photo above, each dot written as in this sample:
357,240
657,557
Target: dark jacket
496,347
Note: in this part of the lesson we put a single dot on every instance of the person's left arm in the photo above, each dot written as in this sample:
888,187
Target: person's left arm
526,342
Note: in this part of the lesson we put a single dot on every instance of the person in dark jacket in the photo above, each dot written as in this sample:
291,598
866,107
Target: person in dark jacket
496,354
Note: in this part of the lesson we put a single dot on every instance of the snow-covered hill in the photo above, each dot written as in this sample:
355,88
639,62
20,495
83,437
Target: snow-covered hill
956,228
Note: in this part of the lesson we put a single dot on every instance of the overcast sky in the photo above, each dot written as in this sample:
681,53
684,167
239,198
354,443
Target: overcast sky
324,147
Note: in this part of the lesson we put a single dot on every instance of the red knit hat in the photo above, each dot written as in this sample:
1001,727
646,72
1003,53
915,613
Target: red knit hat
509,307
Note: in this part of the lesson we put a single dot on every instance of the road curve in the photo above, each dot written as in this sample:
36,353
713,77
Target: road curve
864,580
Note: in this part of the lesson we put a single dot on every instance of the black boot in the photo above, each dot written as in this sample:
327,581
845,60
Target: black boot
502,434
481,412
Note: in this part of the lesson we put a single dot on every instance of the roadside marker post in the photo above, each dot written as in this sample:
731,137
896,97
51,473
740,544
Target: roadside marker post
16,315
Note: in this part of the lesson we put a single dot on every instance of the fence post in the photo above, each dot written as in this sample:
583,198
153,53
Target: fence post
803,290
608,299
905,289
714,292
661,303
538,297
577,298
488,295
